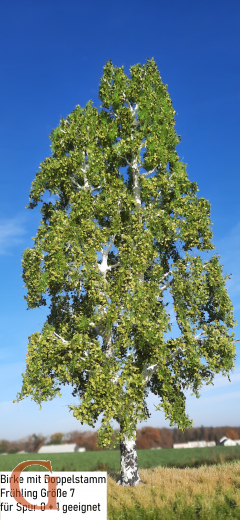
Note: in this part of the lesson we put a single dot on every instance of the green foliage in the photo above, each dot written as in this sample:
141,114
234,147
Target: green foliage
56,438
151,218
3,446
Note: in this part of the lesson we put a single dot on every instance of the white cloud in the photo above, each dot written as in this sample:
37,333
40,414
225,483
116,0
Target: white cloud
220,381
10,232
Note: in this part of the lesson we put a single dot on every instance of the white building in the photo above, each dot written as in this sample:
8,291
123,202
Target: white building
195,444
60,448
224,441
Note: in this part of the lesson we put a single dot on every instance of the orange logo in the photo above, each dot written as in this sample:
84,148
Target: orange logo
52,483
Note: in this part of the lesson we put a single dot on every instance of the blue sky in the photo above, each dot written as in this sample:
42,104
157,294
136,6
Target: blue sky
52,55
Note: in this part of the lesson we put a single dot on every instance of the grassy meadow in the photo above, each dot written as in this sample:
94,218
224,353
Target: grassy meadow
195,483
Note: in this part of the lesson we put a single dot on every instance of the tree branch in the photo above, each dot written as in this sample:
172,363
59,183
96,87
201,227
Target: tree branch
133,110
63,340
112,266
165,286
206,263
78,185
165,276
148,372
148,173
93,189
122,157
198,336
111,244
70,310
168,274
109,84
66,342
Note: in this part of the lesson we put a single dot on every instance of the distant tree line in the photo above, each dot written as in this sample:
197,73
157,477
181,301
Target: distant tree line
147,438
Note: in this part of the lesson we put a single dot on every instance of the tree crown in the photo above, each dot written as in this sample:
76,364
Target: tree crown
105,331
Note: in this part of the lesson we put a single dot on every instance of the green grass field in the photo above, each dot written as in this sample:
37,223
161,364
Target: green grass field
110,460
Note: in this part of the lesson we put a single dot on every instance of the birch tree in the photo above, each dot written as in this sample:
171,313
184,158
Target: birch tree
119,234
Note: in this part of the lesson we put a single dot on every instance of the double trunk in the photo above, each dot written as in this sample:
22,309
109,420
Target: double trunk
129,463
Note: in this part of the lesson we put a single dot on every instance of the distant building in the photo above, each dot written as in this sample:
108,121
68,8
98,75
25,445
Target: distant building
224,441
61,448
182,445
195,444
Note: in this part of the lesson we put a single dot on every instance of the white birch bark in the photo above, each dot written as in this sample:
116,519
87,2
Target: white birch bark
129,459
129,463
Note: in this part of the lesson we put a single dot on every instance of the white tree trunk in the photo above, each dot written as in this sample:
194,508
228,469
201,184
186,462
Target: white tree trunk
129,463
129,459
